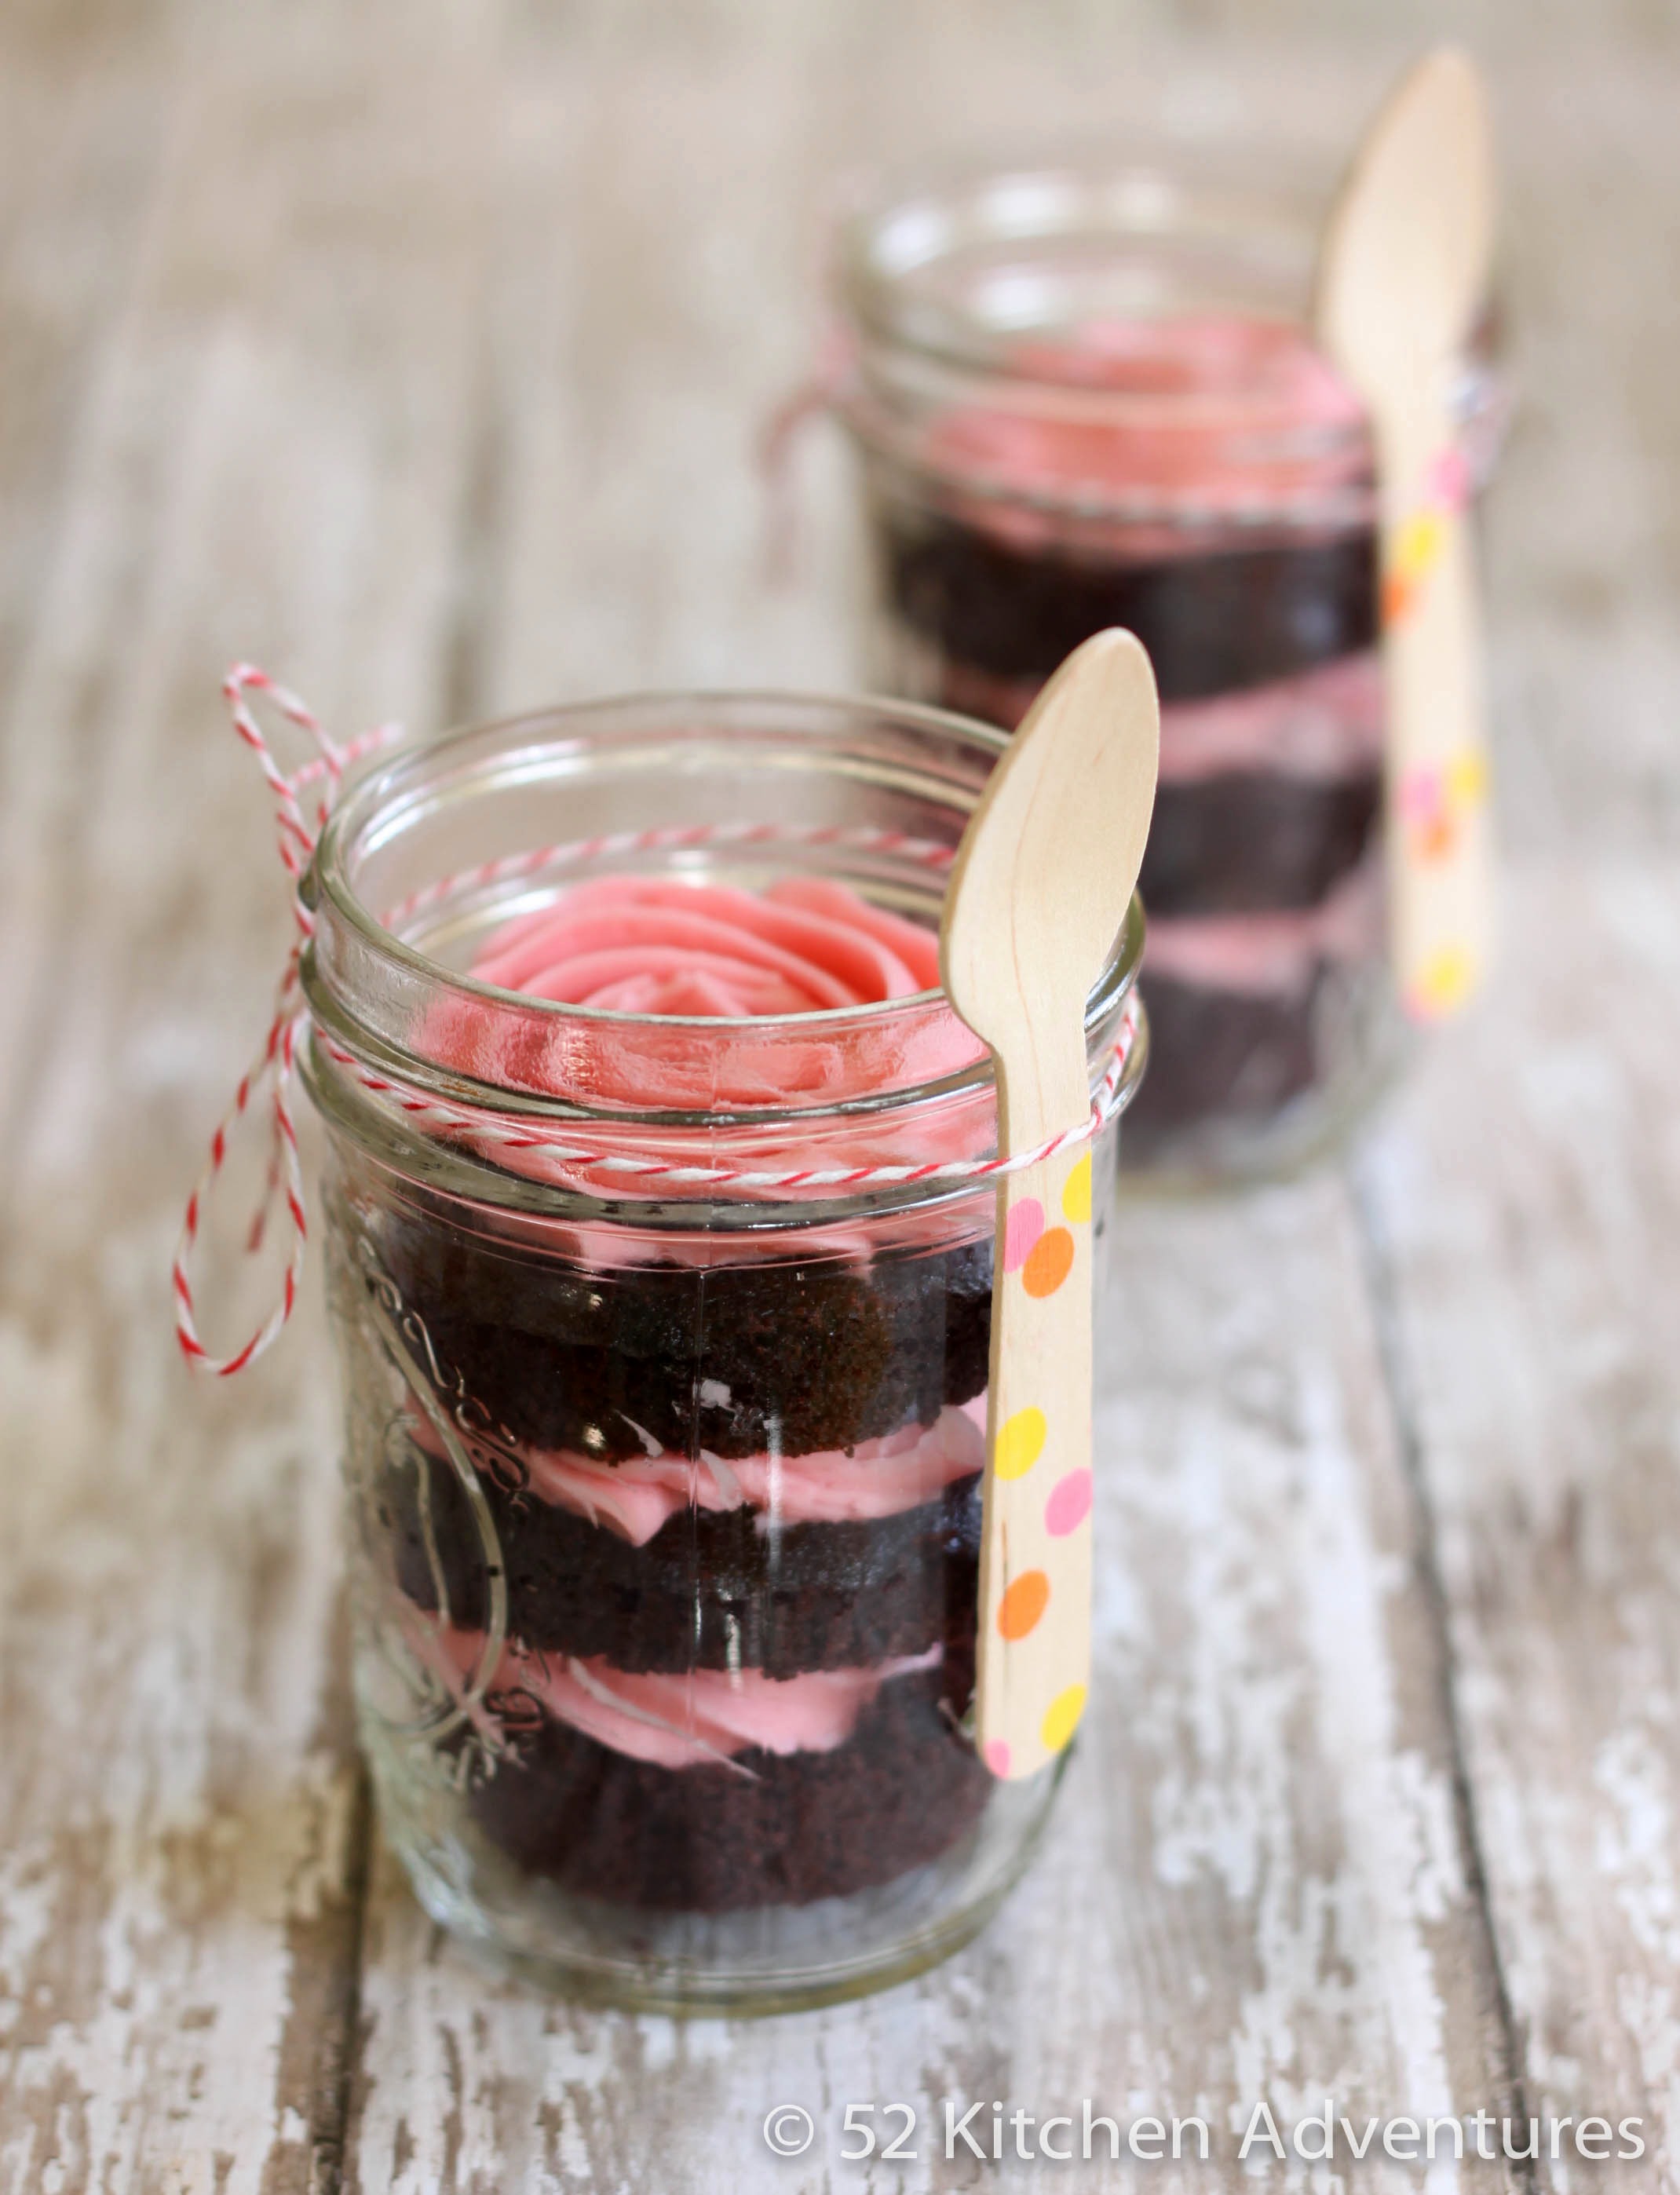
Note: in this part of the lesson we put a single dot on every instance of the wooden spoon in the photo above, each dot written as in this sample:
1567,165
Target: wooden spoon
1042,883
1402,271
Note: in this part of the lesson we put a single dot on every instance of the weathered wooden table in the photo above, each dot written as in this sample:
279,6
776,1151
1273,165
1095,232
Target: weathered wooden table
417,351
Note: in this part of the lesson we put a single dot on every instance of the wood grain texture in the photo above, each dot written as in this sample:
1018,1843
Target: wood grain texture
420,351
264,458
1527,1206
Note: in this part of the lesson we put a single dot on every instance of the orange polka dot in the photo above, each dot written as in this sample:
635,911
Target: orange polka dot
1400,597
1024,1603
1049,1264
1433,840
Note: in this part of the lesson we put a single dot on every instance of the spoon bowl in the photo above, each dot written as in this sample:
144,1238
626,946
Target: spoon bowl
1404,261
1045,873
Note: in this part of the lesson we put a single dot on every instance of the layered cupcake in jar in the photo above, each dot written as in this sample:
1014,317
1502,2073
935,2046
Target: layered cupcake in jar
665,1455
1088,398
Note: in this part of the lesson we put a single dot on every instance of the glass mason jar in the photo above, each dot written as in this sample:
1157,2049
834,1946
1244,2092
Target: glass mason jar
666,1490
1086,397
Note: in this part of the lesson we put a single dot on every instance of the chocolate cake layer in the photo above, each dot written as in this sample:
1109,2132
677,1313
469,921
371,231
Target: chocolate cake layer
741,1360
1248,843
1213,624
710,1590
1218,1054
766,1829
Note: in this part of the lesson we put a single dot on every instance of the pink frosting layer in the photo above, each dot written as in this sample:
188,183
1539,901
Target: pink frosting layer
1271,954
688,1719
1326,724
875,1478
661,947
1216,408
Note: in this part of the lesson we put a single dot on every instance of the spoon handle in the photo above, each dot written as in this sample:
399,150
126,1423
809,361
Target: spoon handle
1033,1664
1440,844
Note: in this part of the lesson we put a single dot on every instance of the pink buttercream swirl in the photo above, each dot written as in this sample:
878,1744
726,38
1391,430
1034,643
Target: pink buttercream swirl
648,946
692,1717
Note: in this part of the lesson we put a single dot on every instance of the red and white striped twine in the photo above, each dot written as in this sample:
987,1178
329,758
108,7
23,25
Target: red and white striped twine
274,1062
274,1066
670,837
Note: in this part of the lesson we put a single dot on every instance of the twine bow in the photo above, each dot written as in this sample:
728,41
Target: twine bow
272,1070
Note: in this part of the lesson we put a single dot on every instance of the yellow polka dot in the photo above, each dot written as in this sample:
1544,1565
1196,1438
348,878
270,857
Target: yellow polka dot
1419,541
1061,1718
1076,1193
1432,838
1467,777
1021,1442
1448,980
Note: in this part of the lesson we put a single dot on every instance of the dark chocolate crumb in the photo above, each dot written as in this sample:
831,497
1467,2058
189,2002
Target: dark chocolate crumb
767,1830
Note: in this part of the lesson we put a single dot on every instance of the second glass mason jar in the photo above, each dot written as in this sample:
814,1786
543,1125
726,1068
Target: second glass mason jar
1086,396
666,1489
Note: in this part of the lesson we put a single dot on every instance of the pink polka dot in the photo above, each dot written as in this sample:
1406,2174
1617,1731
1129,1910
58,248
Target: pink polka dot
1069,1504
997,1756
1021,1229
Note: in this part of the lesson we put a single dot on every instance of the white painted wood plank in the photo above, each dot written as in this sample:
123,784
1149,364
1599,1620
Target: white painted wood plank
84,127
271,461
1583,531
1528,1198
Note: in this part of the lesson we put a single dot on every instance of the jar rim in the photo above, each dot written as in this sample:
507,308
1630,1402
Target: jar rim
916,217
351,942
